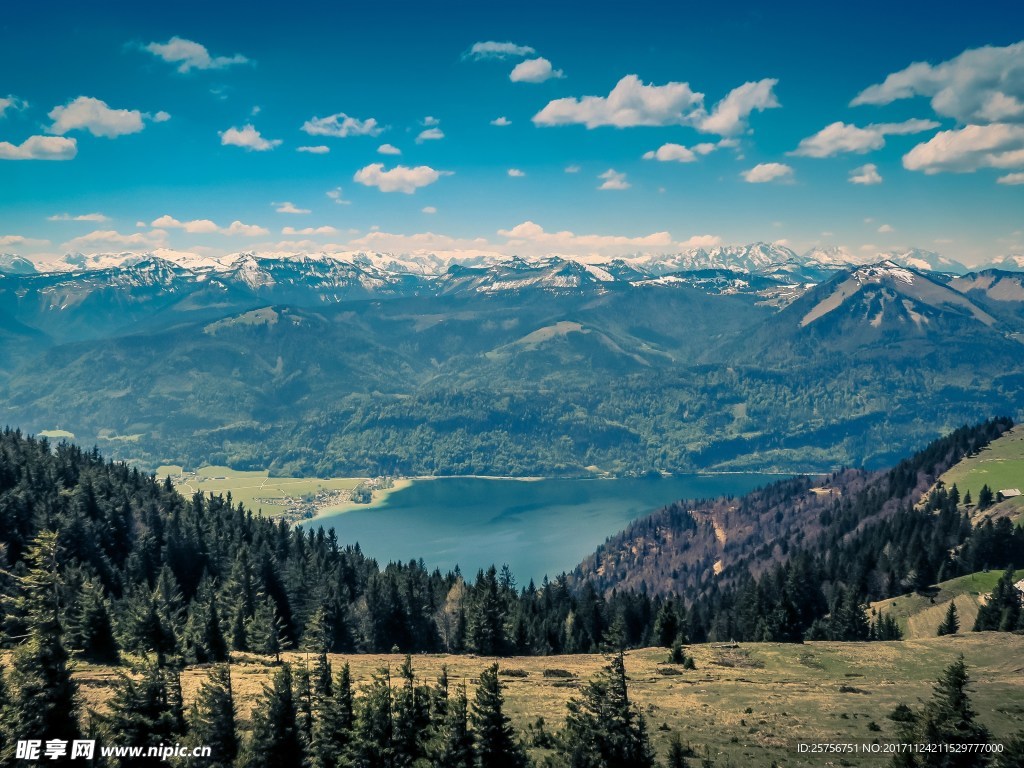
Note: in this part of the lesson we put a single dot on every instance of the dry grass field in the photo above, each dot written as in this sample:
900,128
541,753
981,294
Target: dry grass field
750,703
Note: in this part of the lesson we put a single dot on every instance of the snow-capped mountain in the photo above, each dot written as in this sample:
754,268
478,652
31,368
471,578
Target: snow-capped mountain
925,261
13,264
1013,262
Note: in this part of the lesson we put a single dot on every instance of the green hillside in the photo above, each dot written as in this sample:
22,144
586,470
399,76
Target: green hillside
1000,465
919,615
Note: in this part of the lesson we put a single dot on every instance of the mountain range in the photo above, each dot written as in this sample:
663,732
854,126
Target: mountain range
724,359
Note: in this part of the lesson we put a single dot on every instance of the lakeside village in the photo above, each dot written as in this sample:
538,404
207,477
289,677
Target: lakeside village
305,506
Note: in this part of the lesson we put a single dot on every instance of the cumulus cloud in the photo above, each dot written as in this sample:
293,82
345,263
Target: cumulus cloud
93,115
730,115
634,103
109,237
501,121
885,229
388,149
98,217
205,226
701,241
336,195
287,207
1011,179
962,150
764,172
430,134
981,85
534,71
189,55
677,153
842,137
319,149
630,103
19,240
613,180
248,138
342,126
866,175
572,169
40,148
401,178
516,173
10,102
491,49
309,231
429,209
531,238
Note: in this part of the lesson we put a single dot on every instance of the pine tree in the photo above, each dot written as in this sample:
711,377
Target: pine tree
43,697
667,625
1002,612
142,713
410,718
487,620
602,729
496,743
948,718
333,727
275,739
454,744
90,631
951,623
985,497
677,753
212,719
303,694
264,632
371,743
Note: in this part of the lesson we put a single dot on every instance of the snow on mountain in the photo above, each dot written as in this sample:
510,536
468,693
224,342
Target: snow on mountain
925,261
832,257
1012,262
13,264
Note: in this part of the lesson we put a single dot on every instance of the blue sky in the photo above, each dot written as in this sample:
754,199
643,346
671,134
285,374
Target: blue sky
875,127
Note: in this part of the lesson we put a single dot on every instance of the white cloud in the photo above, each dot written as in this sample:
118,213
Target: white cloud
967,149
336,195
18,240
98,217
309,231
981,85
93,115
501,121
701,241
1011,179
764,172
531,238
430,120
248,138
287,207
11,102
679,154
534,71
495,50
430,134
401,178
516,173
108,237
319,149
341,126
429,209
205,226
885,229
189,55
842,137
40,148
613,180
633,103
389,149
572,169
630,103
730,115
866,175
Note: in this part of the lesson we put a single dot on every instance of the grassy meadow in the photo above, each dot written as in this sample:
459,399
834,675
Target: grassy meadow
999,465
256,490
919,615
750,703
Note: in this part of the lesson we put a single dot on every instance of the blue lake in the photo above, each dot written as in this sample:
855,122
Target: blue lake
538,527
